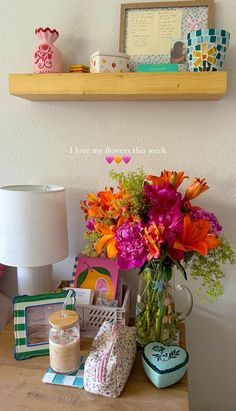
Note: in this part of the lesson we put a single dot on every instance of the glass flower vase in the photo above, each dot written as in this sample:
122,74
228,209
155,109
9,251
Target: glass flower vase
161,305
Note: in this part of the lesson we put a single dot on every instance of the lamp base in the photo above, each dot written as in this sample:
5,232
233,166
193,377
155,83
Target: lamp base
34,280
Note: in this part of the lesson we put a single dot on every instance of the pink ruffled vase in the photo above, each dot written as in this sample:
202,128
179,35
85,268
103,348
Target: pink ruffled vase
47,58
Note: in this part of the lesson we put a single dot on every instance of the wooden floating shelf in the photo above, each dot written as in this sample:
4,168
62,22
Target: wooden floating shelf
121,86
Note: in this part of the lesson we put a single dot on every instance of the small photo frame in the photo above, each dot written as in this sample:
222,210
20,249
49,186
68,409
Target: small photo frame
148,30
96,273
31,326
178,52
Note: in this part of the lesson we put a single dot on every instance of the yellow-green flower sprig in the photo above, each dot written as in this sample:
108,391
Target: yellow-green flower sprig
132,185
208,269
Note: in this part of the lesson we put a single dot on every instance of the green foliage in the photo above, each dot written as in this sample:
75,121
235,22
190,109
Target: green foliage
132,185
131,181
148,275
89,250
208,269
179,267
93,237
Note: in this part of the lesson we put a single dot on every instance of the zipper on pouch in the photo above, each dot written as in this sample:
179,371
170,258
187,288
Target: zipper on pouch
105,356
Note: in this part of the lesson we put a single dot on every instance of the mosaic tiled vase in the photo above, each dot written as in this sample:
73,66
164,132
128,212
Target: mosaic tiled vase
206,49
47,58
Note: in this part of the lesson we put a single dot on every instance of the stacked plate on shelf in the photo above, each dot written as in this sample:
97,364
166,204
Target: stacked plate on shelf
206,49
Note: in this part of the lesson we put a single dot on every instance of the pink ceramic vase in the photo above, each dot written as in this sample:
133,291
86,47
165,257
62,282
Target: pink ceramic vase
47,58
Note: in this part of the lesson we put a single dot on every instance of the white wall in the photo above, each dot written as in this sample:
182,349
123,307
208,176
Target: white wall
199,137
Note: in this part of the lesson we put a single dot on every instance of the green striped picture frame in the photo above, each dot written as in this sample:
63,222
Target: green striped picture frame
30,316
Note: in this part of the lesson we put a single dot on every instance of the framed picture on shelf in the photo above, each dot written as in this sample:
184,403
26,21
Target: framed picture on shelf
155,33
31,326
96,273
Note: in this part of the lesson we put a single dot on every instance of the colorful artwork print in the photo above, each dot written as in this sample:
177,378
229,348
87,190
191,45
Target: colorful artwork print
97,273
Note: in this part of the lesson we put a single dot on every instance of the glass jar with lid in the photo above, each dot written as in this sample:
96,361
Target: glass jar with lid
64,341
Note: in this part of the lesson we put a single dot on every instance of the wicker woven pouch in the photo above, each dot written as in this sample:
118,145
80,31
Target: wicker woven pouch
110,360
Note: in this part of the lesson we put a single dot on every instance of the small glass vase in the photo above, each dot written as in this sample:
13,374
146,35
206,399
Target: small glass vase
161,305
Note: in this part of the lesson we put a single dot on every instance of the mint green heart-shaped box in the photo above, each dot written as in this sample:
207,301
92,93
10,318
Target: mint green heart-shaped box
164,365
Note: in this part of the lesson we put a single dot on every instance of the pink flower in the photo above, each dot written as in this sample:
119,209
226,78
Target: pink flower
132,250
90,224
165,203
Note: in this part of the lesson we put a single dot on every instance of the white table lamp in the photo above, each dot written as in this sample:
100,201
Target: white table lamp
33,233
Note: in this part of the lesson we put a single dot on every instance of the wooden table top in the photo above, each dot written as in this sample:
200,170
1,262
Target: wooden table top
21,388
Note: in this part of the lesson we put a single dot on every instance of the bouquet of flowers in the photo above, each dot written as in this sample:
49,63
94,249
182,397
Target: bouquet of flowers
147,223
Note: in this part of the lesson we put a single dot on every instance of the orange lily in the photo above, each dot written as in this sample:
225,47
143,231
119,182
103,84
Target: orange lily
108,239
197,187
196,237
153,239
175,178
99,206
108,200
102,204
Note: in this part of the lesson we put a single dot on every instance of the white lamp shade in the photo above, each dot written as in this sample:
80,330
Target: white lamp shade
33,225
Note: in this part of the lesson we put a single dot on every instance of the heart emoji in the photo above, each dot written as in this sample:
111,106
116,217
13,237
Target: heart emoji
117,159
113,65
126,159
109,159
